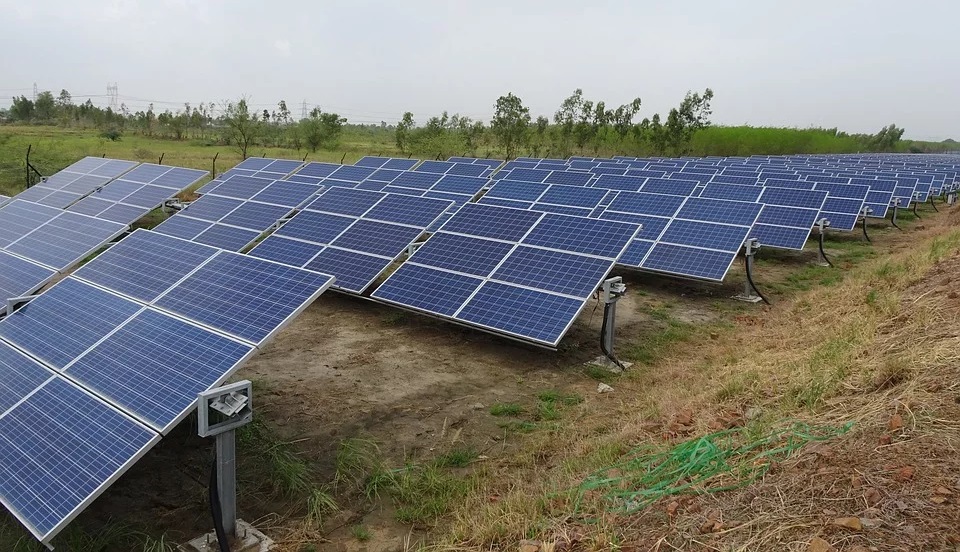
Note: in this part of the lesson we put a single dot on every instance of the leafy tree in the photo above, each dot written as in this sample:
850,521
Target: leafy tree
242,127
539,142
22,109
887,139
657,135
622,120
45,106
64,100
402,133
566,118
283,114
510,122
583,129
321,129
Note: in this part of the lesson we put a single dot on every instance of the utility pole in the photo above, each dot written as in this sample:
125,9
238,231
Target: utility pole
114,97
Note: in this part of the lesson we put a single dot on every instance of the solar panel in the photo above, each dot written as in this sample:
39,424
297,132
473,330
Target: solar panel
671,186
844,204
735,192
65,240
226,237
18,218
516,190
880,197
352,234
619,182
787,217
243,296
523,274
467,169
20,277
438,167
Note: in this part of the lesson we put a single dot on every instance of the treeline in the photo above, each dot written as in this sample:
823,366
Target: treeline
579,126
230,123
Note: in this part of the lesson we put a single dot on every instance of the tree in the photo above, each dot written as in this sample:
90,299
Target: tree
64,100
22,109
45,106
510,122
622,120
402,133
657,135
887,139
242,127
321,129
283,114
566,118
540,135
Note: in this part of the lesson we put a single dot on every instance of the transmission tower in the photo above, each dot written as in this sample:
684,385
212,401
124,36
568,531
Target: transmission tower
303,110
34,92
114,97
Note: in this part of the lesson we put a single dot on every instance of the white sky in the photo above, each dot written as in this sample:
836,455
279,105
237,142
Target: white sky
855,64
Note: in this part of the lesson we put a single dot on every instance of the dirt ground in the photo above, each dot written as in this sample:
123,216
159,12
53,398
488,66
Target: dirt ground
350,367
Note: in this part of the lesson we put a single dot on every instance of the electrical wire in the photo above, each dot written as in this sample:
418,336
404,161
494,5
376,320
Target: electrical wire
748,270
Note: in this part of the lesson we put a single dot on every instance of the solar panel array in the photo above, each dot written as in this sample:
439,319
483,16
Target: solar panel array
520,273
108,360
260,167
79,179
354,235
136,193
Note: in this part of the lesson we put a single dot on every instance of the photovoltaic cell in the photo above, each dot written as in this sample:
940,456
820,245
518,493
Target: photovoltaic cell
66,239
19,277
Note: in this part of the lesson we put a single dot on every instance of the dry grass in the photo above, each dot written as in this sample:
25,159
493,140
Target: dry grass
882,341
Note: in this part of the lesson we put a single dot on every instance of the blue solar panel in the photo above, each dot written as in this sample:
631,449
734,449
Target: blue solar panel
19,376
647,204
416,211
652,226
317,170
345,201
689,261
515,190
66,240
145,264
19,277
211,208
718,210
428,289
66,320
569,178
646,173
706,235
669,186
254,163
616,182
556,271
522,312
467,169
59,199
149,196
146,173
241,187
352,173
582,235
465,254
795,184
372,186
486,200
226,237
735,192
402,191
178,178
378,238
285,250
286,193
635,253
182,227
371,161
795,217
401,164
810,199
353,271
154,365
418,180
492,222
562,209
244,296
59,448
573,196
438,167
528,175
384,175
315,227
256,216
781,237
460,184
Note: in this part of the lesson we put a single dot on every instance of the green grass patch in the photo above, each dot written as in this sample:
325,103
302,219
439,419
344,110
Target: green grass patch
506,409
361,533
459,457
600,374
518,426
421,492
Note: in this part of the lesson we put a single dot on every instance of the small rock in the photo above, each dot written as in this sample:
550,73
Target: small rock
850,522
938,499
895,423
872,496
819,545
604,388
885,440
944,491
753,413
952,295
710,526
714,336
684,417
477,406
905,473
909,529
829,512
529,546
672,508
870,523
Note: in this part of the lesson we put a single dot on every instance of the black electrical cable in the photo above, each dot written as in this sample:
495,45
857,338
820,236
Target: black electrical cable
822,252
603,346
750,279
215,510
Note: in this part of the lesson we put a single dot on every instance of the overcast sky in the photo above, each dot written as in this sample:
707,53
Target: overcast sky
857,65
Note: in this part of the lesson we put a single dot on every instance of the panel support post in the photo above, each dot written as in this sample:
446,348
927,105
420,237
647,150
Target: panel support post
893,217
227,480
750,293
915,202
866,211
611,291
822,259
933,203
